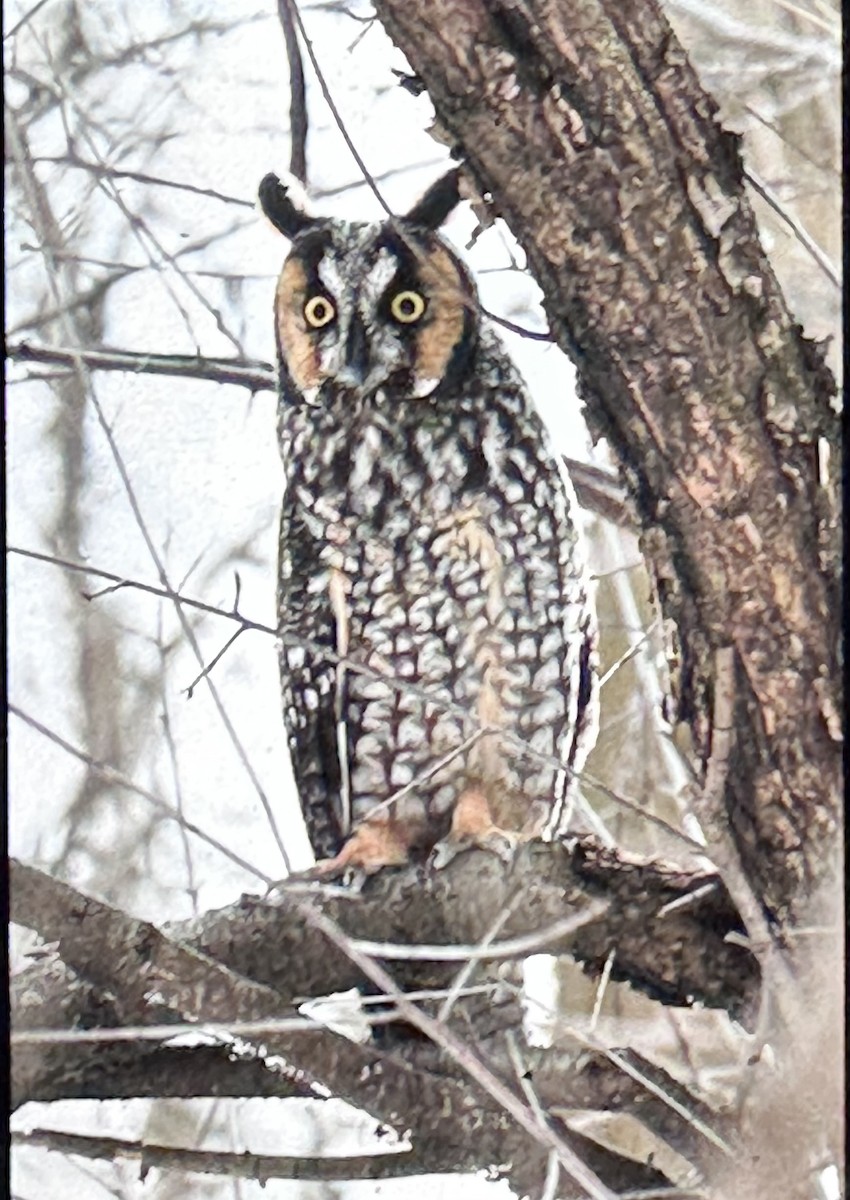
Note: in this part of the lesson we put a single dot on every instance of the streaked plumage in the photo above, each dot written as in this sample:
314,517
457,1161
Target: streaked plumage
427,537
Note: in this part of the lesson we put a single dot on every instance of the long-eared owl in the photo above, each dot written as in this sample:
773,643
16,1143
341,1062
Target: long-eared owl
437,638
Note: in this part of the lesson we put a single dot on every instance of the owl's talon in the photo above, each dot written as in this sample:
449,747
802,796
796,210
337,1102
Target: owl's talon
347,875
501,842
444,852
371,847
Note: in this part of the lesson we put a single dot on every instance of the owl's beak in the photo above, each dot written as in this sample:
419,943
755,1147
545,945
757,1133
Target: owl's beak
355,366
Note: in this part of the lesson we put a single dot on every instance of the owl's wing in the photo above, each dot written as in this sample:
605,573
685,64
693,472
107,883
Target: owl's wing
312,686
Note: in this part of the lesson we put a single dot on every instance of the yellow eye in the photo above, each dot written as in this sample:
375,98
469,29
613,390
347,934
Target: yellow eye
407,307
319,311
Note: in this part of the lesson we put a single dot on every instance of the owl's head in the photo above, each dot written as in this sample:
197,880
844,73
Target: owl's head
384,311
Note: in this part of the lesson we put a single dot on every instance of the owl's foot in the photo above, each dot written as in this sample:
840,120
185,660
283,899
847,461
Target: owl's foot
473,827
372,845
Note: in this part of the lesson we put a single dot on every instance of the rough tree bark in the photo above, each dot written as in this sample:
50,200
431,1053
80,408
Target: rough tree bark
672,931
252,962
586,125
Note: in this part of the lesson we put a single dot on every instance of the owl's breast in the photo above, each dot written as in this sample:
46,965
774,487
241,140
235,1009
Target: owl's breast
372,478
457,617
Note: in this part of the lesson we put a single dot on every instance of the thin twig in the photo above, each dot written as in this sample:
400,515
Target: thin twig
335,113
830,27
113,776
601,988
429,772
342,188
711,813
803,237
465,973
107,172
523,1077
25,19
173,758
256,376
223,1032
461,1053
688,898
518,947
214,1031
532,334
190,690
629,653
591,1042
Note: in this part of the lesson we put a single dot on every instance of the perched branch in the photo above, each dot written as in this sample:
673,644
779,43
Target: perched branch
676,952
258,958
143,970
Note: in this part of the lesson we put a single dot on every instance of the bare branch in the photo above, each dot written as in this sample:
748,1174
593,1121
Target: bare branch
105,171
720,848
533,943
297,95
245,1165
803,237
258,377
461,1053
597,490
678,955
532,334
113,776
141,967
190,690
329,100
87,388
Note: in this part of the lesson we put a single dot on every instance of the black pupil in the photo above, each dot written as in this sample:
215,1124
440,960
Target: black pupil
320,310
407,306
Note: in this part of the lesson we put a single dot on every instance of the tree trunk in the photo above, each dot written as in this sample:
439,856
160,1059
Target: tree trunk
587,127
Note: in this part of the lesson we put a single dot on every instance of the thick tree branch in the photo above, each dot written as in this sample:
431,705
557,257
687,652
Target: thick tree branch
257,958
668,925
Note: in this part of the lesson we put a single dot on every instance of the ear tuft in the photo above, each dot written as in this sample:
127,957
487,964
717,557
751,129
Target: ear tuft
431,211
279,208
